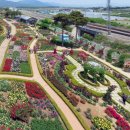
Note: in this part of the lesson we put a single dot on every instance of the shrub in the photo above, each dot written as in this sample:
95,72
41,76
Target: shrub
21,112
87,36
37,124
25,68
4,86
58,42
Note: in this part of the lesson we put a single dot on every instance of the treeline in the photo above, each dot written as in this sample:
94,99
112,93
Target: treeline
11,13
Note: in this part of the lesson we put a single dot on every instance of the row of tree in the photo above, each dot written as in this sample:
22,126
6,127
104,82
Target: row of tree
74,18
11,13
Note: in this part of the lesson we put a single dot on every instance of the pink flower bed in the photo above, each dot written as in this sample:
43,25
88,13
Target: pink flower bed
7,65
120,120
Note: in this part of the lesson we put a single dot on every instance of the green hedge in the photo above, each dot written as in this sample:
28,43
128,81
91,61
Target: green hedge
68,72
88,82
122,85
106,84
69,69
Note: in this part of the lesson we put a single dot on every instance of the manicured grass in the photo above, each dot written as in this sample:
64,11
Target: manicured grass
47,47
25,68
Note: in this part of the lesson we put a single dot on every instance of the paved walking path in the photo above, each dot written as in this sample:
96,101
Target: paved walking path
5,43
75,124
101,89
125,74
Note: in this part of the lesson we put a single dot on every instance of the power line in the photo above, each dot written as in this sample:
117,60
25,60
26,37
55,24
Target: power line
109,16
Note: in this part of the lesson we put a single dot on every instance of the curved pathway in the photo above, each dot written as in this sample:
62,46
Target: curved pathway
5,43
125,74
75,124
102,88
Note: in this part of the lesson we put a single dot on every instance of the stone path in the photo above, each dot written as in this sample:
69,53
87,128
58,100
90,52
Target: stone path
75,124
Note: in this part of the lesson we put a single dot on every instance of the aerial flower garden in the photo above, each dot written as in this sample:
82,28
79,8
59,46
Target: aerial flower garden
25,106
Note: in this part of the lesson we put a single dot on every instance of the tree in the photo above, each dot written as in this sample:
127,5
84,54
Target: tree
101,73
78,19
11,13
44,23
63,20
107,97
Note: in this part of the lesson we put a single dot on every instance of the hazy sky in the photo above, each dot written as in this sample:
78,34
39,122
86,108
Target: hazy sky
89,2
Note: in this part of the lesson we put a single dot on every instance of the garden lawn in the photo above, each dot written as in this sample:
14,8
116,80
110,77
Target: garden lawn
25,68
47,47
46,125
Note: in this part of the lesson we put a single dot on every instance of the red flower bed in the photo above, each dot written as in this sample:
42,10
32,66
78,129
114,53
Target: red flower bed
7,65
33,90
24,47
23,34
120,120
21,111
3,127
14,38
30,38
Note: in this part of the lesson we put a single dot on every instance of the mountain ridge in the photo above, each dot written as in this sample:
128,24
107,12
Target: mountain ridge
26,3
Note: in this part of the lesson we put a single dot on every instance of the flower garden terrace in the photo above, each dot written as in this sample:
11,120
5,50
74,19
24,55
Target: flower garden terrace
64,72
68,73
3,30
17,60
24,106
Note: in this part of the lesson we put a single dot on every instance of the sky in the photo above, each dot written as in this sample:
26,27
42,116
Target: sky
88,3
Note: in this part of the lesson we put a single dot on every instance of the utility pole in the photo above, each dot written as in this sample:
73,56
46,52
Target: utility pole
109,16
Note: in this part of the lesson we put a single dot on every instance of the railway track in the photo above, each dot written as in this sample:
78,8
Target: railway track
125,32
